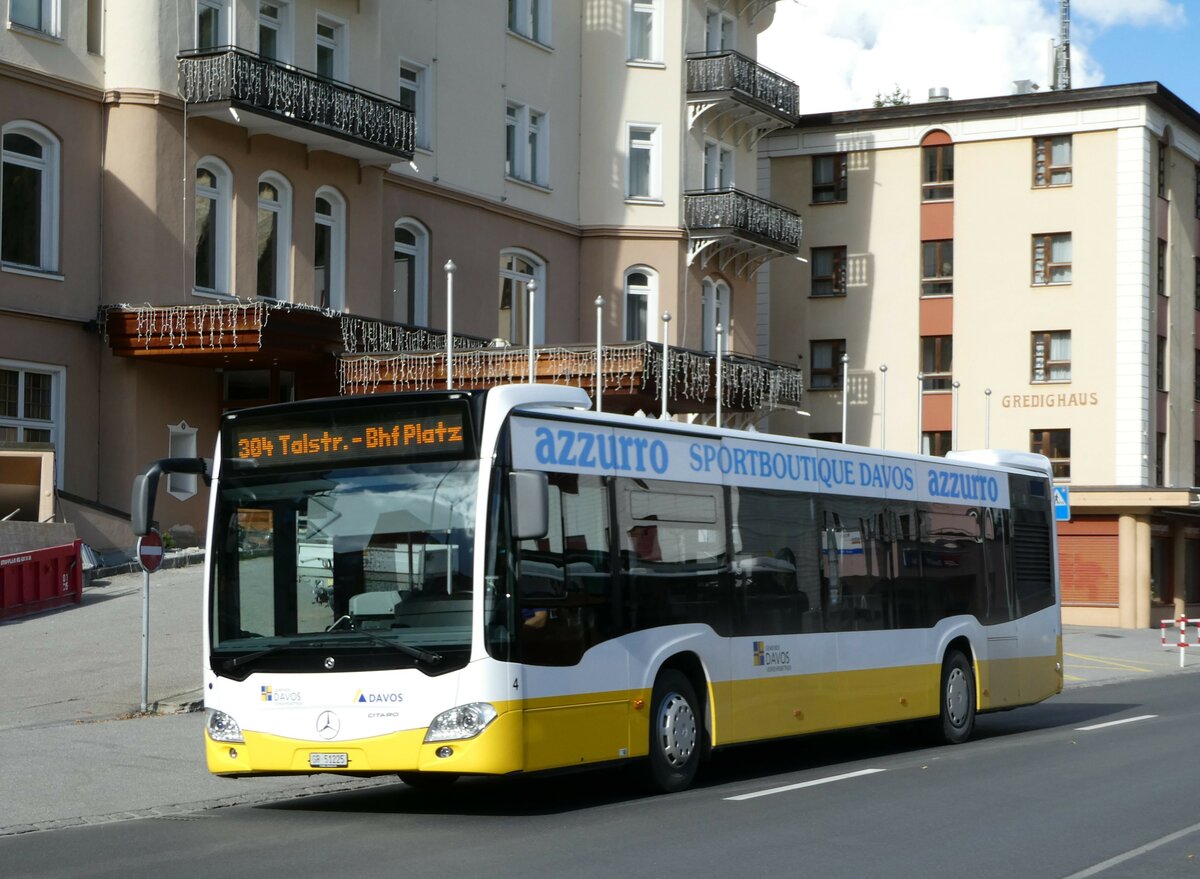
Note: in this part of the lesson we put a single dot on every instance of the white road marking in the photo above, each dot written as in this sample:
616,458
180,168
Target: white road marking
1115,722
813,783
1133,853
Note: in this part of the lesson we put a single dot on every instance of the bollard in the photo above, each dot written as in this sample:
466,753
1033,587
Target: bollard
1182,623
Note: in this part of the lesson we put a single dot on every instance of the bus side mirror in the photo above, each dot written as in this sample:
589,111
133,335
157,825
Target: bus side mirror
145,486
529,504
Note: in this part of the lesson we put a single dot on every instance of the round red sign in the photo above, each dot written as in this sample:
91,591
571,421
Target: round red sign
150,551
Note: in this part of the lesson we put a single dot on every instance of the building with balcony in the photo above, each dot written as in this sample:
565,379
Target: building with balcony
212,204
1016,272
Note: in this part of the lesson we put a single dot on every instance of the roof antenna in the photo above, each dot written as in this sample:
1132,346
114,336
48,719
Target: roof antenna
1062,51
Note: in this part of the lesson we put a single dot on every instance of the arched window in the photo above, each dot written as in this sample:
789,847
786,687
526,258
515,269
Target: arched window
329,255
212,224
517,268
716,309
641,304
937,166
410,273
274,226
29,197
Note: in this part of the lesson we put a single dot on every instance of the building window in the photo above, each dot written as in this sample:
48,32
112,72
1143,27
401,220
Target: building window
1052,259
212,24
937,362
29,197
1162,169
641,304
826,359
1195,481
530,19
937,268
828,267
1055,445
826,436
517,269
936,442
331,52
329,252
645,30
1051,353
720,31
274,31
525,144
718,166
1160,458
1196,172
1196,382
937,170
642,175
1160,364
1052,161
274,228
211,232
414,97
715,308
1196,281
37,15
31,406
1160,269
829,178
410,273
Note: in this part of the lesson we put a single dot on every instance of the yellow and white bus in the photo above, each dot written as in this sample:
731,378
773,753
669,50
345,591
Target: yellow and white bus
503,581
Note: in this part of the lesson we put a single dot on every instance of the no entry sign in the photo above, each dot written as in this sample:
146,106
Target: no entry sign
150,551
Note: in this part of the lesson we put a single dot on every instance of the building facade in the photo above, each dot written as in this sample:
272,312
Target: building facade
210,204
1016,272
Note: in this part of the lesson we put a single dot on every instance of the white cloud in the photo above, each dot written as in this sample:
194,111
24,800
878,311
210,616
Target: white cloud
844,52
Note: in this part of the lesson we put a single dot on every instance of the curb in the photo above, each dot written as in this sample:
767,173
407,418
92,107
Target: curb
175,559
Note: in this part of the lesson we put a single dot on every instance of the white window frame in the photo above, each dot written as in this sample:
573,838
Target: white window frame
527,144
50,167
339,43
222,196
719,164
58,407
336,223
716,302
651,12
539,301
531,19
419,253
723,37
649,139
50,13
282,27
418,85
224,35
282,207
650,293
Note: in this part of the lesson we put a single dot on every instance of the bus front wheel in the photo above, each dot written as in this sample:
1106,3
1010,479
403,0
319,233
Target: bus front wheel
958,698
675,732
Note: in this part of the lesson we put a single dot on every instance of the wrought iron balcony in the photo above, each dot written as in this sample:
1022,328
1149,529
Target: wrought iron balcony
268,97
738,230
731,94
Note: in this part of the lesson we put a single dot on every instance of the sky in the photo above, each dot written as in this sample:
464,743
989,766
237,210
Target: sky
843,53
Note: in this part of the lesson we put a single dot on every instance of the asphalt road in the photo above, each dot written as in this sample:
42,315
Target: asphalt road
1075,787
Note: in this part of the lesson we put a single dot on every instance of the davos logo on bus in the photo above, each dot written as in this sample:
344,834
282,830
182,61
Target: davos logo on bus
377,698
590,450
771,656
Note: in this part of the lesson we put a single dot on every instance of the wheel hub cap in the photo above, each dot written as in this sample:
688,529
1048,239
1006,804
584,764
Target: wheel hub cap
676,729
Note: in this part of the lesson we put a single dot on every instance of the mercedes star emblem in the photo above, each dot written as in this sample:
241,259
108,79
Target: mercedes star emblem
328,725
329,662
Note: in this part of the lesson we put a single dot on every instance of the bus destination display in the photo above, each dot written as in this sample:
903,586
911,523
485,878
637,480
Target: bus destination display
348,439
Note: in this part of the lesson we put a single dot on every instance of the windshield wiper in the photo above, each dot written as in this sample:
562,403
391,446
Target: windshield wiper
416,653
238,661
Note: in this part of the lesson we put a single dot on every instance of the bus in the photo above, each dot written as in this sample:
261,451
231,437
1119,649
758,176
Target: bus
495,582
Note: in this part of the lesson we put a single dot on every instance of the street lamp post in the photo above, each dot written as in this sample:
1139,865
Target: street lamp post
883,408
531,289
920,406
666,320
954,420
450,268
987,418
599,367
718,375
845,392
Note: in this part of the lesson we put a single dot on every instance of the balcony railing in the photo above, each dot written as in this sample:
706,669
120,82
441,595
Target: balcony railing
296,97
747,80
739,214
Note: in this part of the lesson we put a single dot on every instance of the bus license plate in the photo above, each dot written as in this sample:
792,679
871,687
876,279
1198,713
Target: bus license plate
328,761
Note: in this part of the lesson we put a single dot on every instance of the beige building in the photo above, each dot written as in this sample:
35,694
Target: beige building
210,204
1017,272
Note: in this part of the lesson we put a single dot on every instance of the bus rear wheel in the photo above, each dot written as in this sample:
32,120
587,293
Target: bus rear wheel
958,698
675,733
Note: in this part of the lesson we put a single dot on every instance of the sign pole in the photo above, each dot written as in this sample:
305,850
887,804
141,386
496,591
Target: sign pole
145,639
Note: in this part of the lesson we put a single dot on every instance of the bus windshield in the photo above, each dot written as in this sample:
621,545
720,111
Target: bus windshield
374,559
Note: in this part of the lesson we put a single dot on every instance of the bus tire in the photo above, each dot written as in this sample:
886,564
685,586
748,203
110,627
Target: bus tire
957,699
428,781
676,732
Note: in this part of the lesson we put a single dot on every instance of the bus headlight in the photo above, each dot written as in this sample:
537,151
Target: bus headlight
223,728
463,722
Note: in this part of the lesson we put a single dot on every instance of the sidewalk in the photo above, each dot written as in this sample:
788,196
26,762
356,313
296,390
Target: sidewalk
75,750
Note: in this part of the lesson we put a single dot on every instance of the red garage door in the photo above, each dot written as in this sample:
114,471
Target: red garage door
1088,557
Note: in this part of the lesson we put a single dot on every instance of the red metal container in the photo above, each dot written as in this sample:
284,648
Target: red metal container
41,579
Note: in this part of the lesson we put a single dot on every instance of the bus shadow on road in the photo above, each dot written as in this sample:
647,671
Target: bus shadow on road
561,793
